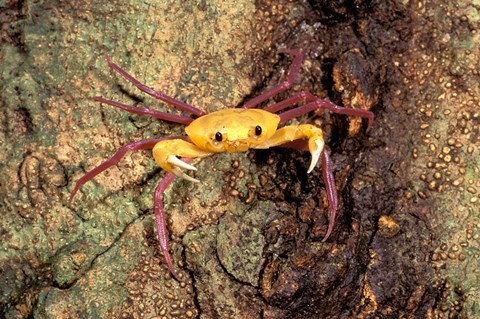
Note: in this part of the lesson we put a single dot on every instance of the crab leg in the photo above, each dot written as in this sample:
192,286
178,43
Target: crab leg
145,111
162,231
321,104
290,136
314,103
141,145
329,180
292,74
158,197
156,94
165,153
299,97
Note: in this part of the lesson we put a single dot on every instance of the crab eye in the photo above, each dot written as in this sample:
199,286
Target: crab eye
258,130
218,137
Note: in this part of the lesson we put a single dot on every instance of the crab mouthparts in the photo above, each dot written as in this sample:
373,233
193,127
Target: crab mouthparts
237,146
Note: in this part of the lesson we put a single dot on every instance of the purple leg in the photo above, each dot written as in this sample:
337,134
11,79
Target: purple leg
159,95
292,74
145,111
329,180
299,97
160,218
141,145
322,104
327,170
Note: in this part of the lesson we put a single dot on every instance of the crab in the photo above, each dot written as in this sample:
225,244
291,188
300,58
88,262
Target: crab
228,130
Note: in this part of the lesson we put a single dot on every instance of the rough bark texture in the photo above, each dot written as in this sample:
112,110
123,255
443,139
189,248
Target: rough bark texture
247,240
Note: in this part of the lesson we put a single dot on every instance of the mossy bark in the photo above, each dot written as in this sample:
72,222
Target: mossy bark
247,240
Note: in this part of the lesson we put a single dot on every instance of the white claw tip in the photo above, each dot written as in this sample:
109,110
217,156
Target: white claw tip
315,155
179,173
189,178
175,161
178,165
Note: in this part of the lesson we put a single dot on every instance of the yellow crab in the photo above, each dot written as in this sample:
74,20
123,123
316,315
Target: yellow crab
230,130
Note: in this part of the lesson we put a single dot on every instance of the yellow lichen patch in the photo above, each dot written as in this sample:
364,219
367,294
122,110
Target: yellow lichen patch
368,305
388,226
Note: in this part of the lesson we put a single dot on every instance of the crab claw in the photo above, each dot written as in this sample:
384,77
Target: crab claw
178,164
175,161
166,152
315,146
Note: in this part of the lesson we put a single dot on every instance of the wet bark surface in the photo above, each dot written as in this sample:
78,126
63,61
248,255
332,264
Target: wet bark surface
248,240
